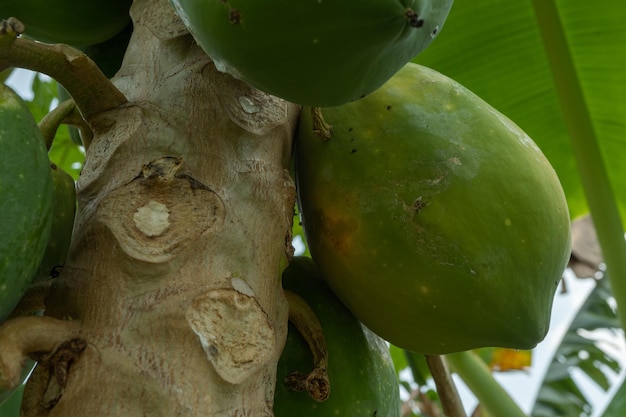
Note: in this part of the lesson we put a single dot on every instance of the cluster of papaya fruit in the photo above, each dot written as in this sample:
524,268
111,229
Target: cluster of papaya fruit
436,221
433,221
434,218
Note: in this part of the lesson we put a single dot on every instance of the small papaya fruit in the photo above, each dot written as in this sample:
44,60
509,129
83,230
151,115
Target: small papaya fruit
26,199
64,211
363,381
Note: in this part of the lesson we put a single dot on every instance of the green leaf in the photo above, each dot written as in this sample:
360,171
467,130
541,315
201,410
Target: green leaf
560,394
64,152
398,357
616,407
419,367
494,48
44,93
560,402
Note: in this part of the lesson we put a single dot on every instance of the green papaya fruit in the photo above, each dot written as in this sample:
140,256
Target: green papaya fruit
435,219
363,381
74,22
317,53
26,199
64,211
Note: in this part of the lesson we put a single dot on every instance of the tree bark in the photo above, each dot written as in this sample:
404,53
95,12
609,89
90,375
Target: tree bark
183,229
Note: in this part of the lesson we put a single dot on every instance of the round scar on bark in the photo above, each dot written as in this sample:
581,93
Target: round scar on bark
152,219
235,351
159,214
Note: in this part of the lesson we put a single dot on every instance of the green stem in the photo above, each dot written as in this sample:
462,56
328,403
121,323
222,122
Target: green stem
50,123
476,375
595,181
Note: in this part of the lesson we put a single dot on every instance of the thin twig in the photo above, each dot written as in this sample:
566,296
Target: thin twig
448,394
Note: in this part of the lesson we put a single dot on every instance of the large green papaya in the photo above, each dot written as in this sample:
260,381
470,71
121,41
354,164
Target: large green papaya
74,22
312,52
64,211
433,217
26,199
362,377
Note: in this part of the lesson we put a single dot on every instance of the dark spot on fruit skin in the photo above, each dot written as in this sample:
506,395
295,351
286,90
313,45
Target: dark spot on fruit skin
349,129
353,151
234,17
55,272
434,33
388,107
413,18
418,205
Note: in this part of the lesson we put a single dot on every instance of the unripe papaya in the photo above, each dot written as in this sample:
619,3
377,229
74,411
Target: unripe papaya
433,217
26,199
363,381
74,22
64,211
313,52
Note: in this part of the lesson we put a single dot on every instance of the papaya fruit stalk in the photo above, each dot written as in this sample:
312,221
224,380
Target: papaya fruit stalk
65,113
91,89
316,382
185,208
448,394
28,335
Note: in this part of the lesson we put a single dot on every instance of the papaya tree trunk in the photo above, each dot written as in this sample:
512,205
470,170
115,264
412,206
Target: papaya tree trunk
184,226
